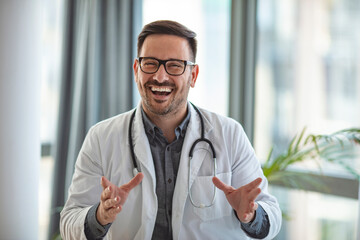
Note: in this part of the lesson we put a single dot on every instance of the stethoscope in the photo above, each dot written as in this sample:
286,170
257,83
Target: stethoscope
201,139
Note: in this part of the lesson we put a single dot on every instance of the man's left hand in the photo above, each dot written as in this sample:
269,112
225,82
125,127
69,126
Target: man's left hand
241,199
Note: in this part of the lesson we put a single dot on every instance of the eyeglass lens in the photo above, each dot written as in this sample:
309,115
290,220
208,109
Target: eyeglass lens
172,67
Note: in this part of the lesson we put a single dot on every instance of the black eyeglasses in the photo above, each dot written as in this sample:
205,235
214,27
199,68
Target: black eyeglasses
173,67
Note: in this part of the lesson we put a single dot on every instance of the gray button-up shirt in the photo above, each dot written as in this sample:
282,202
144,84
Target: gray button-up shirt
166,158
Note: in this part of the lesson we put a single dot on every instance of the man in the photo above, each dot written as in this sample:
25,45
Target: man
163,193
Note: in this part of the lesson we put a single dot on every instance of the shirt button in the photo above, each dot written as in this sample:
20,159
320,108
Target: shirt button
169,180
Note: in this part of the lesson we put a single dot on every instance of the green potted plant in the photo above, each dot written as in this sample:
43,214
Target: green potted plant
337,148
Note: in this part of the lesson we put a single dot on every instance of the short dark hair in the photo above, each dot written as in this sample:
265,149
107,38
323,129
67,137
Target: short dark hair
169,28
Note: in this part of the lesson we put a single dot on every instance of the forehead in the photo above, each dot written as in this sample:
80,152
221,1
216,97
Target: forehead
164,47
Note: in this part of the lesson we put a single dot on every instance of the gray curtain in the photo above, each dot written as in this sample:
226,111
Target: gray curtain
99,47
242,63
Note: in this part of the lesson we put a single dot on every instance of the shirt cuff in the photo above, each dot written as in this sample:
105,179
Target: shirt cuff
259,227
93,229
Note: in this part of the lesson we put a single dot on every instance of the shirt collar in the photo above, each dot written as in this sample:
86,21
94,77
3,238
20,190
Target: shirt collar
151,128
181,129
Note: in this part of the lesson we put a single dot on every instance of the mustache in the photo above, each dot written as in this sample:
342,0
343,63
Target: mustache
156,83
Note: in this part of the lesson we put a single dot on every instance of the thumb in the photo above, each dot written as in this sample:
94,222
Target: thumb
104,182
222,186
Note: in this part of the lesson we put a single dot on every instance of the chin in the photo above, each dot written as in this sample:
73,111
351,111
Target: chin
161,110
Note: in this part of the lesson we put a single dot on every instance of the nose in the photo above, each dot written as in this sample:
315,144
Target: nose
161,75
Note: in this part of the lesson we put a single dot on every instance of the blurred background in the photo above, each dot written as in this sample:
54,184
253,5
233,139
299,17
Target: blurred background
276,66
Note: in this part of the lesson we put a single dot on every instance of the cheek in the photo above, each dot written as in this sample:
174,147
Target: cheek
140,82
138,78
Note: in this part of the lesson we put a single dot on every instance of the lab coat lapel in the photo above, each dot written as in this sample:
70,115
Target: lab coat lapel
193,133
145,161
141,144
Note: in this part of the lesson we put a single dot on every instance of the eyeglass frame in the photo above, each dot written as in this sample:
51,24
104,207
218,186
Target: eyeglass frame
163,62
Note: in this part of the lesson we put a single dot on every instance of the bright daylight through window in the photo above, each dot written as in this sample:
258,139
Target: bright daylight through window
50,90
308,75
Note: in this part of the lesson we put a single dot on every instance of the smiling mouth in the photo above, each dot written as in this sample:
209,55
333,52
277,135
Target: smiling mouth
161,90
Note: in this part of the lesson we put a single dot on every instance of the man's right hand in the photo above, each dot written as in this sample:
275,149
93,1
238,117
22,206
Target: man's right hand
113,198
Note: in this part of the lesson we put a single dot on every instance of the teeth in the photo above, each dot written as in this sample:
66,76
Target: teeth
159,89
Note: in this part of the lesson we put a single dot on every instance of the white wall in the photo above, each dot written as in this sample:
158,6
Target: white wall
20,74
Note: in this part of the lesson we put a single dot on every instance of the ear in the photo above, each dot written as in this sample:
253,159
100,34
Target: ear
136,67
194,75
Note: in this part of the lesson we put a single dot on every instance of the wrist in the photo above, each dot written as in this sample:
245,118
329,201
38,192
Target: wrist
99,219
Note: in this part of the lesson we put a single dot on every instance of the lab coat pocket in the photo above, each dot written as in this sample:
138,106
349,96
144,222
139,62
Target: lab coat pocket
202,191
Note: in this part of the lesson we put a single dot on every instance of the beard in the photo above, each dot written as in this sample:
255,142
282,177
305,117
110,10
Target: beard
178,98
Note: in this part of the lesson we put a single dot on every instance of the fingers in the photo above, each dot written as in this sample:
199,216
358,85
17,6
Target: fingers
104,182
133,182
250,215
222,186
252,195
111,203
105,216
114,211
107,193
253,191
254,206
253,184
109,206
112,198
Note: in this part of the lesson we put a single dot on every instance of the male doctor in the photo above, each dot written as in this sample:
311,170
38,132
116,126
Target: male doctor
163,193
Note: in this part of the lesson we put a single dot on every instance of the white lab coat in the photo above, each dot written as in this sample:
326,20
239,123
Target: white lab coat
105,152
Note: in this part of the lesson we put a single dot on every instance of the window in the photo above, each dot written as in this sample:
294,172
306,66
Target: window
50,91
211,22
308,75
314,216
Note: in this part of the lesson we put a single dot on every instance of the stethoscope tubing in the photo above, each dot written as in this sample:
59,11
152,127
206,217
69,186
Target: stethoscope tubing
201,139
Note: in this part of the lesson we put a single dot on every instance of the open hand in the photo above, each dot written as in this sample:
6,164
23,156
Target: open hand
241,199
113,198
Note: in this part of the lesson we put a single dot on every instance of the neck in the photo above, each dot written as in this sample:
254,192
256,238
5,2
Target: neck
169,122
